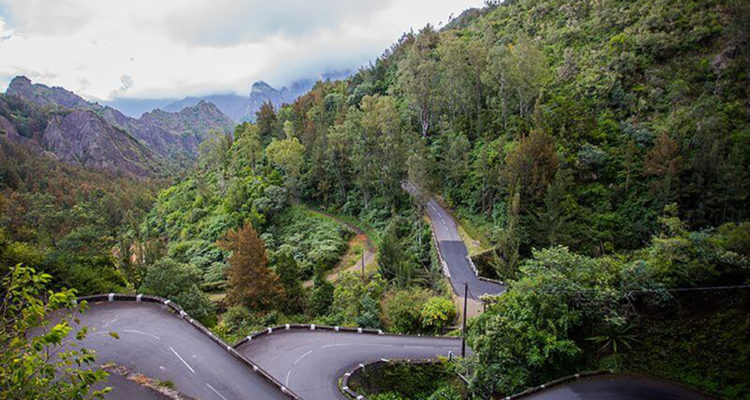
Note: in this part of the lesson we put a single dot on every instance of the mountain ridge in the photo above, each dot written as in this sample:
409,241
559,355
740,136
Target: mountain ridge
88,134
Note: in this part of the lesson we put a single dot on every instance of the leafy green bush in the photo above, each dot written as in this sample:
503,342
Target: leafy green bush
179,283
313,240
437,314
401,310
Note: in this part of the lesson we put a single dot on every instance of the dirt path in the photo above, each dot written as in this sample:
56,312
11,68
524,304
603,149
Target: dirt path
368,250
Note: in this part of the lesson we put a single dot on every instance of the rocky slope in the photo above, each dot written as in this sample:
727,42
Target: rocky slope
87,134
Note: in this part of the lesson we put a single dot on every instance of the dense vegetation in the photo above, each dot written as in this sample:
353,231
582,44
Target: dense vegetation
73,223
600,147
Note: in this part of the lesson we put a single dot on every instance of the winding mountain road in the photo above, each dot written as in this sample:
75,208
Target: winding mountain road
159,344
455,254
311,362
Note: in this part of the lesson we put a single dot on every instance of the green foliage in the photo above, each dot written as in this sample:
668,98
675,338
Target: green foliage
289,277
179,283
356,301
26,369
567,305
321,297
312,239
437,314
402,310
402,381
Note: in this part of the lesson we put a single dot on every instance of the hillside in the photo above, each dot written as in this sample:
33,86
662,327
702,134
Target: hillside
600,147
88,134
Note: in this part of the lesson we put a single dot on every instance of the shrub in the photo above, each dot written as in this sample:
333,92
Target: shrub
437,313
401,310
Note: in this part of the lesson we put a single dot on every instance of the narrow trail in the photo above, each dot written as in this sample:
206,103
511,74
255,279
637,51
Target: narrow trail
368,249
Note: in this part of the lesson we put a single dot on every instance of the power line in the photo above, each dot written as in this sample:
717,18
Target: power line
652,290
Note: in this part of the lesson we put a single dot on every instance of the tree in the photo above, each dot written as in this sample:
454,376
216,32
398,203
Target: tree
418,76
531,166
321,297
663,161
37,358
390,252
265,119
251,282
289,276
437,314
515,75
288,154
462,61
214,152
384,147
247,149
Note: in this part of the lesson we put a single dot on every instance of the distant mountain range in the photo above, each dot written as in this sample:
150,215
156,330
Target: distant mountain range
55,122
238,108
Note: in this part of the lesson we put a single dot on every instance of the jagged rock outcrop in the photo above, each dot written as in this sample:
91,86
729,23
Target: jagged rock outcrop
84,138
82,133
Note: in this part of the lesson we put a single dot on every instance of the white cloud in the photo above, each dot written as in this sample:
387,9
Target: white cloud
173,49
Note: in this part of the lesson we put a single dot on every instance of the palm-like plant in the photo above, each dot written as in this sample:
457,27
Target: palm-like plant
615,338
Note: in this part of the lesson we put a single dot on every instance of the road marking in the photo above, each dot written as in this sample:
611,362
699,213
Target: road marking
183,361
286,382
332,345
216,391
303,356
142,333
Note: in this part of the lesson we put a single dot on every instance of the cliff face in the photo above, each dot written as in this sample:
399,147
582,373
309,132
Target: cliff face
87,134
83,138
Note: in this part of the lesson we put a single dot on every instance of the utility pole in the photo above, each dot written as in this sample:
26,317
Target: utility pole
463,336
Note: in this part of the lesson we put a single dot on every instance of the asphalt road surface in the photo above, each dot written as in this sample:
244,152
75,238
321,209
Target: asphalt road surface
617,387
159,344
311,362
455,254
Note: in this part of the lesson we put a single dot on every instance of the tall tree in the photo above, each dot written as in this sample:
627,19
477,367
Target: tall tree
531,165
664,162
418,77
251,282
267,122
289,155
288,271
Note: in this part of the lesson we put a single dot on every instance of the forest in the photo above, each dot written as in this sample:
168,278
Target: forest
598,151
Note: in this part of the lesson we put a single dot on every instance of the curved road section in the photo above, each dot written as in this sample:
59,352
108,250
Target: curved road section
158,343
453,251
311,362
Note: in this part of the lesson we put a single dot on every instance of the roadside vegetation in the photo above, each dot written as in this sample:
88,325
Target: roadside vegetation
599,149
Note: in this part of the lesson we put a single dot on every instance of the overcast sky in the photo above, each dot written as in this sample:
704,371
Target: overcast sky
158,48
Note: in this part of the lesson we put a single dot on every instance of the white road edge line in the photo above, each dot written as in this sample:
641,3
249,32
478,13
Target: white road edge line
183,361
286,382
216,391
302,356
